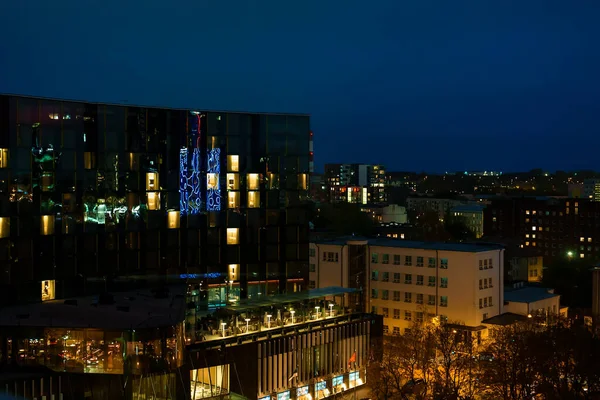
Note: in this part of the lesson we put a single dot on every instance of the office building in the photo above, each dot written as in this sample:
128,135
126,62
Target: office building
406,281
356,183
95,197
471,215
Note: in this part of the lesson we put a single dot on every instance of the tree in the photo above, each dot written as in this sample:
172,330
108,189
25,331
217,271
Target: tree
570,277
345,219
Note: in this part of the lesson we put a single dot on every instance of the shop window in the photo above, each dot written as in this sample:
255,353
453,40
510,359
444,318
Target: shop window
253,199
303,181
152,183
153,201
233,199
209,382
48,290
173,219
89,160
233,235
4,227
233,181
253,182
47,225
3,158
212,181
233,163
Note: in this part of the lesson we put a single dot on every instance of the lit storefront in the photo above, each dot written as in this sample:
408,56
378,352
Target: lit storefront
209,382
303,393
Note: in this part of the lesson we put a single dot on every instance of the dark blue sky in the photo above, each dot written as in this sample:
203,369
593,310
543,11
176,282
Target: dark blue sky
416,85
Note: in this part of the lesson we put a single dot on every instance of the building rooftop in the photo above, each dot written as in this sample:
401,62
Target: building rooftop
528,294
130,310
505,319
410,244
468,208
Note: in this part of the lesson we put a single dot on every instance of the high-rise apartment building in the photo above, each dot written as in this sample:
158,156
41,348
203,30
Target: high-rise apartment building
356,183
98,195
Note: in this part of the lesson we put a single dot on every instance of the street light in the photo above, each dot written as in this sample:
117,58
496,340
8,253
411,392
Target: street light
317,308
269,320
223,324
293,312
330,310
247,327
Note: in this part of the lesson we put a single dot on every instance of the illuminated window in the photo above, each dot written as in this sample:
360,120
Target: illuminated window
233,181
212,181
253,199
4,227
234,272
173,218
48,290
233,199
273,181
233,163
47,225
152,181
89,160
153,201
3,158
303,181
253,182
233,235
533,228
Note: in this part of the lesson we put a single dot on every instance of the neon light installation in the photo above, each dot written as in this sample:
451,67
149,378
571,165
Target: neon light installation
213,189
190,200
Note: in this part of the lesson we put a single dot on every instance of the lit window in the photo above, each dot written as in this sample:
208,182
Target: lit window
3,158
233,163
152,181
303,181
253,182
212,181
533,228
234,272
233,235
589,240
48,290
581,239
233,199
47,225
253,199
233,181
153,201
173,218
4,227
89,160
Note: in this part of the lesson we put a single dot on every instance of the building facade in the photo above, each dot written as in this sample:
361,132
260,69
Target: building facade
93,195
406,281
356,183
471,216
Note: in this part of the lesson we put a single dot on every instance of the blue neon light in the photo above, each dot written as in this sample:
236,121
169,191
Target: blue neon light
213,194
211,275
190,200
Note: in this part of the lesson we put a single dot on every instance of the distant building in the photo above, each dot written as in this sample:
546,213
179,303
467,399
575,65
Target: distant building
591,189
407,281
441,206
526,265
531,300
471,216
577,191
394,230
356,183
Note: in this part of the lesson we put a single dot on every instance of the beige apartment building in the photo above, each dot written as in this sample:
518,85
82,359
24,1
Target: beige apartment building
407,281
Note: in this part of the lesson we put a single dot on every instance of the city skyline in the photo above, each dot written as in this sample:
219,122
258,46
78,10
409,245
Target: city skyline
422,74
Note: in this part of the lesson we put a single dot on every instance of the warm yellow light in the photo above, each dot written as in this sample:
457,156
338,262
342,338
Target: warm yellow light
47,225
233,235
234,270
212,181
3,158
253,182
233,199
4,227
233,163
303,181
48,290
152,181
173,218
233,181
253,199
153,201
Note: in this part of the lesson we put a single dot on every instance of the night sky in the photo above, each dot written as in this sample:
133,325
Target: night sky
416,85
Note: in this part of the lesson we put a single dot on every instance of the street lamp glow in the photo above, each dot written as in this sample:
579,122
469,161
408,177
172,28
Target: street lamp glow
330,310
269,320
570,253
223,324
317,308
247,327
293,312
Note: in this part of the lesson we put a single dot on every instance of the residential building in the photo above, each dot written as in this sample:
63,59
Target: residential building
532,300
591,189
356,183
471,215
556,227
441,206
406,281
95,196
526,265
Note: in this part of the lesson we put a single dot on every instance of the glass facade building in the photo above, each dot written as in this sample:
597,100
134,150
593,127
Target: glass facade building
93,196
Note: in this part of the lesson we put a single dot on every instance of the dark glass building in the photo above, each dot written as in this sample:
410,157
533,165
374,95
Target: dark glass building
99,196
